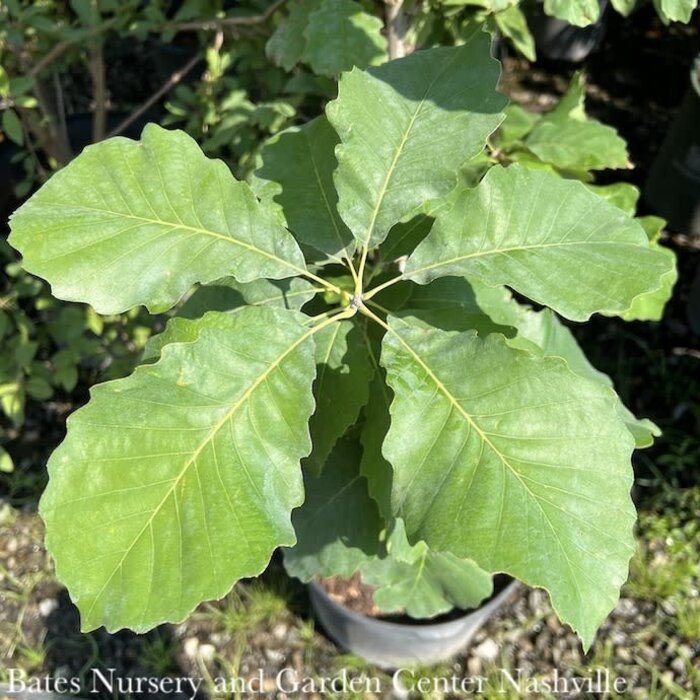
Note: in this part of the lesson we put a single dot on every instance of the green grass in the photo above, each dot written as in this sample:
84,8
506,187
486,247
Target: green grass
249,606
687,618
159,654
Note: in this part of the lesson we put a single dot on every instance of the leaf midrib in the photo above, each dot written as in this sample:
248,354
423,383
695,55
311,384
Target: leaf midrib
186,227
399,151
513,249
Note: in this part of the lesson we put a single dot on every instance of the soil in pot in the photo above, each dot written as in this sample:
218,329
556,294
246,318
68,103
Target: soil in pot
343,606
358,596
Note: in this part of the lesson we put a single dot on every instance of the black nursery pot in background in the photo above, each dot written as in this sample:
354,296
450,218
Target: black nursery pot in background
672,189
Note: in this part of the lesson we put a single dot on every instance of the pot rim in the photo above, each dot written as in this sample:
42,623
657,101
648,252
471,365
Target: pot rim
492,602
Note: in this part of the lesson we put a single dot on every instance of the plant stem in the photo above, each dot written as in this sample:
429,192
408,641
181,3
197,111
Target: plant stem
328,314
212,24
353,271
332,317
396,28
359,279
380,287
328,285
99,90
364,310
56,51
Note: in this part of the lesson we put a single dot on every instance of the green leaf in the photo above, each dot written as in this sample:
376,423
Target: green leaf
228,295
298,165
513,25
286,46
580,13
423,583
572,104
12,126
623,195
513,461
653,227
340,35
38,388
675,10
205,307
12,400
624,7
650,306
373,466
180,479
450,303
130,223
406,128
517,124
338,526
341,388
577,145
7,466
548,238
4,83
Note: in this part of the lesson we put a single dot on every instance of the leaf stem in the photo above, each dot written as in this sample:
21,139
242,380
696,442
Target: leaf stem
328,285
361,272
353,271
332,313
380,287
331,316
364,310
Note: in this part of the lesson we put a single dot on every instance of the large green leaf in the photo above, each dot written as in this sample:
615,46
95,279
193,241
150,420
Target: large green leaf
130,223
513,461
340,35
341,388
548,238
423,583
580,13
338,526
299,165
406,127
180,479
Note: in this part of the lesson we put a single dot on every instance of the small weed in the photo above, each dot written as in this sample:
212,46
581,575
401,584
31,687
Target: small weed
687,619
159,654
248,607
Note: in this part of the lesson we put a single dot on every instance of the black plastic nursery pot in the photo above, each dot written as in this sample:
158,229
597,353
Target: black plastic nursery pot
672,189
393,645
561,41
